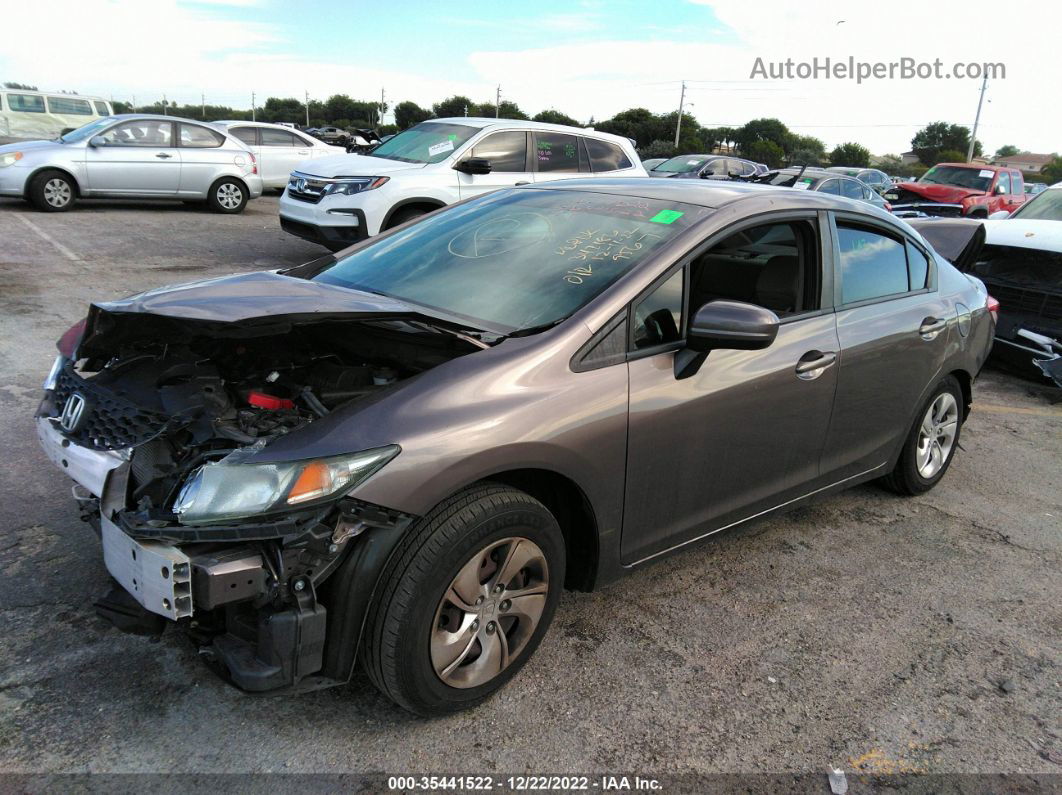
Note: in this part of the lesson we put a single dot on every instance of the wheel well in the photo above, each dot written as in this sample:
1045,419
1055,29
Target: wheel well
980,213
427,205
234,179
966,385
42,169
566,501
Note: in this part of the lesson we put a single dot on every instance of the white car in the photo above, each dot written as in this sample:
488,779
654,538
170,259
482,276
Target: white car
279,148
338,201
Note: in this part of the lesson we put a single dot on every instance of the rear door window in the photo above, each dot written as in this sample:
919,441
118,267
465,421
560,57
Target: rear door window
248,135
26,103
101,108
605,156
1017,184
831,186
873,264
556,152
852,189
506,151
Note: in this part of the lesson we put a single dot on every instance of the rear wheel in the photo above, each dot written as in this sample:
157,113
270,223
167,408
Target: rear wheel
465,601
227,195
52,192
931,443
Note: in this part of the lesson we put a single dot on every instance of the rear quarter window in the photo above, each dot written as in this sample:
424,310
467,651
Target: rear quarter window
605,156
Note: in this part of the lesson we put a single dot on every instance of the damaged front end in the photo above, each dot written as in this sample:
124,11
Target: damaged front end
161,409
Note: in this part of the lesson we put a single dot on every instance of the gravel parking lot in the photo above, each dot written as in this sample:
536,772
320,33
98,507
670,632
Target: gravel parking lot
873,633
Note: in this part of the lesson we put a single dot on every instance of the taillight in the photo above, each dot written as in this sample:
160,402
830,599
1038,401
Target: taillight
992,305
254,164
68,343
888,207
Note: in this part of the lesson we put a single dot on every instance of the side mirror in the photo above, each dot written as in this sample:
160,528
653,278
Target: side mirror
474,165
999,215
724,324
97,140
998,190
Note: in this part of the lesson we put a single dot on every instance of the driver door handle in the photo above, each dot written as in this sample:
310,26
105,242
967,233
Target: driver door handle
164,155
813,363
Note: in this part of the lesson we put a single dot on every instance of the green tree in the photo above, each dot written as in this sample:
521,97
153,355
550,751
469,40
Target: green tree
890,164
20,86
409,113
811,149
1007,151
283,109
507,110
763,130
850,154
951,156
1052,172
657,148
767,152
555,117
640,124
934,138
456,105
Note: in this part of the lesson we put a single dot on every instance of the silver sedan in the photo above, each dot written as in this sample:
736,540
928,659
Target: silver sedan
133,156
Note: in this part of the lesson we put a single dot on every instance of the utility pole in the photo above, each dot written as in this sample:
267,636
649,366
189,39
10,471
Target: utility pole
382,96
252,108
307,93
164,113
678,124
466,111
202,98
977,119
497,103
134,104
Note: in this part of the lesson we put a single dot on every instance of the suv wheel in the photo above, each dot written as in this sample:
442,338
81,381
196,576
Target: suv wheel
227,195
405,214
465,601
931,444
52,192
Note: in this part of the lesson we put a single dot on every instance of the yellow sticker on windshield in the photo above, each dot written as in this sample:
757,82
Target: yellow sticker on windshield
666,217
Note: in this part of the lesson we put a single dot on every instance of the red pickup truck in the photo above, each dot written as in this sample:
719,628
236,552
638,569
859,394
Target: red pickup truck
960,190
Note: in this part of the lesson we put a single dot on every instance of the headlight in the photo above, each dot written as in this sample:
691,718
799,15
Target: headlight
348,187
9,159
230,489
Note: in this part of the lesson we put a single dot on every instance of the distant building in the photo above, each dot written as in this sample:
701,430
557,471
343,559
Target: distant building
909,158
1025,161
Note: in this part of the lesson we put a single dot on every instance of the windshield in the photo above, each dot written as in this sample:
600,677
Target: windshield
682,164
515,260
973,178
1046,206
87,130
428,142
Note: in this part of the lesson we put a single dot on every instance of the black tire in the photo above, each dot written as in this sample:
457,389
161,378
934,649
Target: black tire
404,215
395,649
905,477
48,190
227,195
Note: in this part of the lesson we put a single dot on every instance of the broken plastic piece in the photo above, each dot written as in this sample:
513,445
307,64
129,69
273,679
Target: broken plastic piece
264,401
838,782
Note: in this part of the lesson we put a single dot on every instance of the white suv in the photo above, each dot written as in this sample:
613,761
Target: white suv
337,201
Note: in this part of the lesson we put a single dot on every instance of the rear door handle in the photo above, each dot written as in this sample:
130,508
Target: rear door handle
932,326
303,152
522,183
813,363
164,155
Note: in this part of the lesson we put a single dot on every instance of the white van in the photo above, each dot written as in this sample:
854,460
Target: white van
40,115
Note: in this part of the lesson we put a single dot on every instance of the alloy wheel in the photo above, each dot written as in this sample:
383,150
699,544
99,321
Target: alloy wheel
936,436
229,195
57,192
489,612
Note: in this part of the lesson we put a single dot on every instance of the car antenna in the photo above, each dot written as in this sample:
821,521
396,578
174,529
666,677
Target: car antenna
796,179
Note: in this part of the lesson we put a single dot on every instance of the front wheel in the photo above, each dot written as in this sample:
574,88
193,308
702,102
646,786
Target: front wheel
930,445
465,601
228,196
52,192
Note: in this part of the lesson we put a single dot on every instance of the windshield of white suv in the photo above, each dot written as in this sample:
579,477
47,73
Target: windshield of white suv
1046,206
87,130
517,259
682,164
972,178
428,142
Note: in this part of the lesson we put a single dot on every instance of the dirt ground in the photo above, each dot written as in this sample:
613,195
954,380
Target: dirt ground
868,632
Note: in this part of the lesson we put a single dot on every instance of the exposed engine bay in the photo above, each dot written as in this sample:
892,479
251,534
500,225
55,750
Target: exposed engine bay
150,401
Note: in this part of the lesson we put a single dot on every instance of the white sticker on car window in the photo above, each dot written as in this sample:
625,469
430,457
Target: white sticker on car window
986,173
439,148
692,162
804,184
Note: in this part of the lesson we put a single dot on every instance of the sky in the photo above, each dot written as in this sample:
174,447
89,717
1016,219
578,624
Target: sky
587,58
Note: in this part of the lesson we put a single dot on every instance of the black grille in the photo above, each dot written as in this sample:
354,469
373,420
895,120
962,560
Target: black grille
1032,302
107,421
306,189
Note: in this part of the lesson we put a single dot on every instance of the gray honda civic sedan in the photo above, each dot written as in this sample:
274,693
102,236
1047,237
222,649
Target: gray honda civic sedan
399,455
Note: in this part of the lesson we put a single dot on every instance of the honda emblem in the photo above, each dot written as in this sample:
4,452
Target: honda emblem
72,413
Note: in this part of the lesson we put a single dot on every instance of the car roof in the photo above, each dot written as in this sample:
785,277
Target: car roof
483,122
153,116
229,122
977,166
846,169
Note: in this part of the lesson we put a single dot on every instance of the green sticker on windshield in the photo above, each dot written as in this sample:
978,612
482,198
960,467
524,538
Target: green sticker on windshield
666,217
452,137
